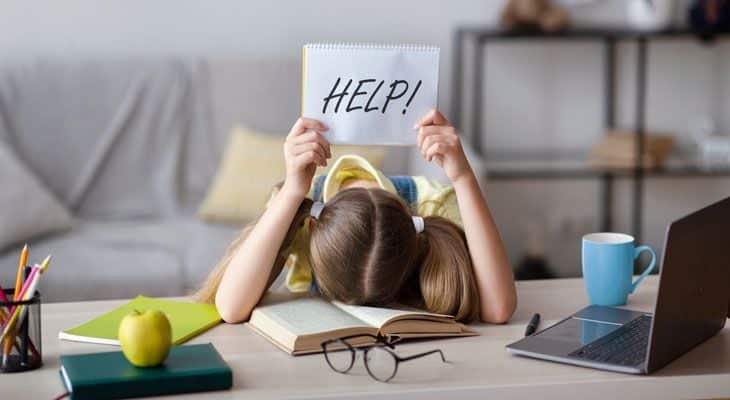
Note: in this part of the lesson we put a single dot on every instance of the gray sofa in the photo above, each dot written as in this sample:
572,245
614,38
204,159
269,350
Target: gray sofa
129,146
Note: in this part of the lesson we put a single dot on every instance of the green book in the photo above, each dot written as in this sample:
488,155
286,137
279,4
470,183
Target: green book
108,375
187,319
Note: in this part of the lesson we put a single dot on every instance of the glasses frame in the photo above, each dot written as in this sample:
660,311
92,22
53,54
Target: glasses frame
380,342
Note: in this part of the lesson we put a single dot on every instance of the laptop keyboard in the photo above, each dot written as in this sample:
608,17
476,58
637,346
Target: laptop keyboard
624,346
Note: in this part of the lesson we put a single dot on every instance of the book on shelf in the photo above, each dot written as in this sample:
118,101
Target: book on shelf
617,149
298,325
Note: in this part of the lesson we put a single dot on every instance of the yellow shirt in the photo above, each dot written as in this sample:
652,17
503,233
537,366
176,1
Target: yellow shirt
432,199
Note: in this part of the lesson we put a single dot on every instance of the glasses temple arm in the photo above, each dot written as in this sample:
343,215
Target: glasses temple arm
415,356
381,339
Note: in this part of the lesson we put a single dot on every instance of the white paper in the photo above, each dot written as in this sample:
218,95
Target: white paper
398,86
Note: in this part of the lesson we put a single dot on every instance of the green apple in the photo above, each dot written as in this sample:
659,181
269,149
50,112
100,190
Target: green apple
145,337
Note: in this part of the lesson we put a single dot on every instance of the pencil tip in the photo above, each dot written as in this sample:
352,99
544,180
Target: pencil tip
46,263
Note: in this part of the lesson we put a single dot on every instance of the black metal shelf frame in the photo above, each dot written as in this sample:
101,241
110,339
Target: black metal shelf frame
609,37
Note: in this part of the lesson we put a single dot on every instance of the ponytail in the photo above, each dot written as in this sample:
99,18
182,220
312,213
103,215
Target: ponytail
206,293
446,277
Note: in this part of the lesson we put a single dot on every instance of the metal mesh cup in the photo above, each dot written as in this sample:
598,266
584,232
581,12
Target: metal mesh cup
21,345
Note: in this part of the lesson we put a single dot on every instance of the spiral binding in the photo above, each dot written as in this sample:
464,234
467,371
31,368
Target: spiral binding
370,46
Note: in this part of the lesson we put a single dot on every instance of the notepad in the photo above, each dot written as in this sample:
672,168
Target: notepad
187,320
369,94
108,375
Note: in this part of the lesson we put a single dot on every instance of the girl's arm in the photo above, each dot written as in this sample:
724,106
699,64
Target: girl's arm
438,141
247,275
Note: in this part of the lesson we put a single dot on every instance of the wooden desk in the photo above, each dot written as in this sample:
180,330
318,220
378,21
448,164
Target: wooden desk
480,367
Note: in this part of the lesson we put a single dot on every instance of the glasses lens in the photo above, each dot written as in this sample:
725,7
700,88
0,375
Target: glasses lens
339,356
380,363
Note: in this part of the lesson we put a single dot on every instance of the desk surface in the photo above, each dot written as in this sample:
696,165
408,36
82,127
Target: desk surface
479,366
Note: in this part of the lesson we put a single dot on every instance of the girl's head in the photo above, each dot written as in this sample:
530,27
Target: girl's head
364,249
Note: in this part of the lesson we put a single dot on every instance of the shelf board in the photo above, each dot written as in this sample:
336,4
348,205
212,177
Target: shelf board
496,33
575,168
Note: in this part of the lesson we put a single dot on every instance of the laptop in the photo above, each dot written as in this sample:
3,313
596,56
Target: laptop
692,305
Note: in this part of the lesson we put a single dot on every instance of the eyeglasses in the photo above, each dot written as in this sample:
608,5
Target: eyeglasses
380,360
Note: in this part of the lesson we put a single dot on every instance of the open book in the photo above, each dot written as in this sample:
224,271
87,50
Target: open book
300,325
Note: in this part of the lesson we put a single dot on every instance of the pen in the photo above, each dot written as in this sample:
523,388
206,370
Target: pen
532,325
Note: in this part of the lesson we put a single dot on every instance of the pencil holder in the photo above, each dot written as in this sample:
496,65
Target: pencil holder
21,345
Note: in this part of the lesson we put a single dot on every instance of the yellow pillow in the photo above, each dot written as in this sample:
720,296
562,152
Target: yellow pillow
252,163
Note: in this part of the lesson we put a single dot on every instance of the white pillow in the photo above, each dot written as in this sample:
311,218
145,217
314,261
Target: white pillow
27,208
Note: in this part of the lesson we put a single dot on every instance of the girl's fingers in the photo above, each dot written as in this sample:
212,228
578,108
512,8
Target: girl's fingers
305,159
439,160
446,140
431,130
436,149
304,124
433,117
426,131
314,137
310,146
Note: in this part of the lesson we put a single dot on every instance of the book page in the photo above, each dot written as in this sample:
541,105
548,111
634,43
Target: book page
308,316
379,316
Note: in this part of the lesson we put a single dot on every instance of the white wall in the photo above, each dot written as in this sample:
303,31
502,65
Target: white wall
538,96
273,29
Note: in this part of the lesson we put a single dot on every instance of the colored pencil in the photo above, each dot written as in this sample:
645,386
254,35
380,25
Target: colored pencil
34,271
18,281
19,276
46,262
8,333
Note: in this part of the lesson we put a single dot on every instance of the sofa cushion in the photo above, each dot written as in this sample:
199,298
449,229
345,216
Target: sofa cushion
120,259
27,208
252,163
206,245
106,261
113,139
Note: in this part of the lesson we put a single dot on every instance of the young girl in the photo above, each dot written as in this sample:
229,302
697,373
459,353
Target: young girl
362,241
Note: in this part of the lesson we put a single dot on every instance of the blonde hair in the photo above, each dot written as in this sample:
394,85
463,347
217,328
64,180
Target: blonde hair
364,249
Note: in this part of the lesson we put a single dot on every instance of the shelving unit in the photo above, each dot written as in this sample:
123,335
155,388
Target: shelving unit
575,168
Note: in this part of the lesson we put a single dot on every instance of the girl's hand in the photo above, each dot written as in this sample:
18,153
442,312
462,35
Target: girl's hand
438,140
304,149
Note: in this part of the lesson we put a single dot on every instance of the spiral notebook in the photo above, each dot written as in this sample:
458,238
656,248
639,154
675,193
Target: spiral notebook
369,94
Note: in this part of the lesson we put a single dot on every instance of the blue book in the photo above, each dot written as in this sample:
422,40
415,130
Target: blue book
108,375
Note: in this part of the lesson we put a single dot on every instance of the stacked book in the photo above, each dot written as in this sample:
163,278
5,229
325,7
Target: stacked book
618,149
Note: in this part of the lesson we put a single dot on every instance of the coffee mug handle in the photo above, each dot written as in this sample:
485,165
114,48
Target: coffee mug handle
647,271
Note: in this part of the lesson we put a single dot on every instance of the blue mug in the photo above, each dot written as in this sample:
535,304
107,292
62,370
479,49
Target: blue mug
608,266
